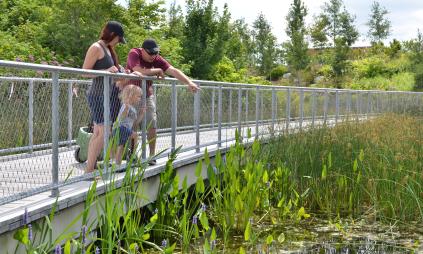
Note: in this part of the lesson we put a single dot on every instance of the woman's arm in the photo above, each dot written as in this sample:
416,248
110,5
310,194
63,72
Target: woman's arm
93,54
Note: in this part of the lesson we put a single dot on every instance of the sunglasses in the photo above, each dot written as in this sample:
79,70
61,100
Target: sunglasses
152,53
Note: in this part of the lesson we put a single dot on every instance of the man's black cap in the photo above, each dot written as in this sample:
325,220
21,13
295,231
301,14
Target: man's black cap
150,46
116,27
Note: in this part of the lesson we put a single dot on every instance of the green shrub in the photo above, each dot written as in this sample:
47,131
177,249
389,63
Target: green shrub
277,72
418,77
370,67
325,70
399,82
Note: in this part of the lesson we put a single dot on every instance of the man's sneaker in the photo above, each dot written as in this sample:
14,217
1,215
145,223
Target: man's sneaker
152,162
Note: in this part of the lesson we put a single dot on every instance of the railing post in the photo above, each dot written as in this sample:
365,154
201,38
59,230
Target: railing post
55,133
107,122
230,107
273,110
70,113
31,114
336,106
313,108
257,110
174,111
288,109
144,121
405,101
197,110
239,110
369,105
325,107
301,108
358,103
262,108
219,116
212,110
246,107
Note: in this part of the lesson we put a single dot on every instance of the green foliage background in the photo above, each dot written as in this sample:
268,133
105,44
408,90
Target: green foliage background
205,42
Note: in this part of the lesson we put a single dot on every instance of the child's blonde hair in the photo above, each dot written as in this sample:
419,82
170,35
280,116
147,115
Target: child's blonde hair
129,91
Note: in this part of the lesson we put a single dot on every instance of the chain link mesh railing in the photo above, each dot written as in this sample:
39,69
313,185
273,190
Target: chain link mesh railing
44,109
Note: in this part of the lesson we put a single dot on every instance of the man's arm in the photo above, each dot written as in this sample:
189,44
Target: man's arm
179,75
149,72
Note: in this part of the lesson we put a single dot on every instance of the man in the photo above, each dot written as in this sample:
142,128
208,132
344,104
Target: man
148,62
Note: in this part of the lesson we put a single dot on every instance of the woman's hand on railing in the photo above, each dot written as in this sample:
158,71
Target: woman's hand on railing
113,69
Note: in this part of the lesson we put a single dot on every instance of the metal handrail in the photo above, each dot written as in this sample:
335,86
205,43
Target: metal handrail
365,106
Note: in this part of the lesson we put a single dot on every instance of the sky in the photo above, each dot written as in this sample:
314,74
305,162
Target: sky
406,16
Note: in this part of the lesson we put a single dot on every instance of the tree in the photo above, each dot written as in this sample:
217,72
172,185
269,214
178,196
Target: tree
296,51
340,28
318,31
340,23
146,15
240,45
379,25
176,22
205,36
265,45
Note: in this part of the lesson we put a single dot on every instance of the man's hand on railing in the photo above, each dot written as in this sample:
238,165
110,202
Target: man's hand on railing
193,87
159,73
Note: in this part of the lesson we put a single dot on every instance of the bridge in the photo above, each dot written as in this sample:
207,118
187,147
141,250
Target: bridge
44,107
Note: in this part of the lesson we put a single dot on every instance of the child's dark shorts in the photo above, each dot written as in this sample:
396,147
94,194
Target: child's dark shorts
123,133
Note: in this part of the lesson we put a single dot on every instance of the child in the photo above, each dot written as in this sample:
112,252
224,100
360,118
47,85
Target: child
129,96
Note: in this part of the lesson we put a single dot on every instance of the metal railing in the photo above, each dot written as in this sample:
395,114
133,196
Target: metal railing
40,118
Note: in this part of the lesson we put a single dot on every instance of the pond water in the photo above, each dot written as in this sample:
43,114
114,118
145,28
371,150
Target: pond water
322,236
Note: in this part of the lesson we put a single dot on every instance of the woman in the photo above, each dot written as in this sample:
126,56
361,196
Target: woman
102,56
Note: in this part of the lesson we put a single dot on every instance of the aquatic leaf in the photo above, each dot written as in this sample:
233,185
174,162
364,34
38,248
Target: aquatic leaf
206,157
218,159
269,239
67,248
199,187
185,184
359,177
324,172
175,187
22,235
265,177
281,202
281,238
145,237
213,235
330,160
198,168
361,155
154,218
170,249
206,247
196,231
274,220
241,250
256,147
247,232
133,246
239,205
302,213
204,221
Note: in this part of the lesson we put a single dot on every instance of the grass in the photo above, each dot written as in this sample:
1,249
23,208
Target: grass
361,170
